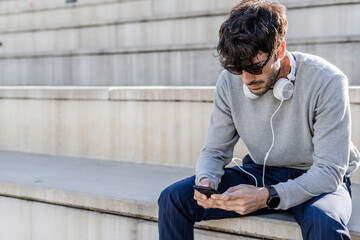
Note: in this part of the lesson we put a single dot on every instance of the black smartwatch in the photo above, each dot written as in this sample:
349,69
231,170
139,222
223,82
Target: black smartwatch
274,199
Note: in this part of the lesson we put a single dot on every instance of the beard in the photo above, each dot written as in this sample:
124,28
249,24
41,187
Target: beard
270,81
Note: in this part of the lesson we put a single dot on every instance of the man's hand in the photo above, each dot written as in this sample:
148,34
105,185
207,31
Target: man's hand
242,199
202,199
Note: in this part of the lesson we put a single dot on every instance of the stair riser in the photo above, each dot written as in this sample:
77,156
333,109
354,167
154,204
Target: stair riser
162,66
323,22
42,221
155,132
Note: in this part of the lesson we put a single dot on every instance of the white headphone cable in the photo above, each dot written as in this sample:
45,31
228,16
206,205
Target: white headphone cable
273,141
268,152
233,160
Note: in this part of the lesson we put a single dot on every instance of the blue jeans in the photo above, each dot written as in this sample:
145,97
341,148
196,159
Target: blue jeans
322,217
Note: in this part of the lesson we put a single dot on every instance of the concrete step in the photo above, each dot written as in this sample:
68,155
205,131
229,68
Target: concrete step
156,7
154,125
124,42
44,221
186,65
96,195
19,6
24,14
159,6
134,30
68,223
183,66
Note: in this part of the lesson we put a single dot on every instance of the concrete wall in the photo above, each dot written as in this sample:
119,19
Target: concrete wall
26,220
151,42
155,132
143,30
148,125
180,68
155,7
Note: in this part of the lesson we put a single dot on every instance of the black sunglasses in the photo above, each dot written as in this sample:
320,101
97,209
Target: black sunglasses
255,70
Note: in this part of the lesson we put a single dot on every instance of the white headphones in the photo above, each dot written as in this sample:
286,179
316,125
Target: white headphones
284,88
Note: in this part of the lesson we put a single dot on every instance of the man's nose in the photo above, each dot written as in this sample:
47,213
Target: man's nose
247,77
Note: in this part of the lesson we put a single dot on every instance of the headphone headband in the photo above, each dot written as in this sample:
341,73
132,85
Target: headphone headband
291,75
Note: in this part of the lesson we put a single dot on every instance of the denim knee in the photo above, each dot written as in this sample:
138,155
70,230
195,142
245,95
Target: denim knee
178,193
165,197
177,199
319,224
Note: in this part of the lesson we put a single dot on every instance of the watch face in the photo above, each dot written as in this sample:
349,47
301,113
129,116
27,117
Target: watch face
274,198
274,202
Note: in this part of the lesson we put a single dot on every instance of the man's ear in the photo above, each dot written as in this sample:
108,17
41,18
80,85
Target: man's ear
282,50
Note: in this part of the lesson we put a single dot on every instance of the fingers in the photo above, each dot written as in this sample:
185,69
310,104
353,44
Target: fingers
206,182
203,201
204,204
226,196
222,201
235,188
225,200
239,198
198,195
220,198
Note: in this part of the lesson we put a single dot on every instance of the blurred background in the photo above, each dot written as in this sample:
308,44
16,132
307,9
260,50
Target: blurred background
151,42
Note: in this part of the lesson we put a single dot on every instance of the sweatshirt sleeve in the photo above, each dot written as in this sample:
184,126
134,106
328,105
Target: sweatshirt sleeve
331,140
221,137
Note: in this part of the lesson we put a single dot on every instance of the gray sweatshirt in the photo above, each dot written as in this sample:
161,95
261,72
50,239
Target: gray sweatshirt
312,130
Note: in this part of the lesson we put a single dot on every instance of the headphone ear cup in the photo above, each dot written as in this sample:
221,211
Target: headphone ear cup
248,93
283,89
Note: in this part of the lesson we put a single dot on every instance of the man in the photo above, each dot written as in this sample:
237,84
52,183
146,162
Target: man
300,153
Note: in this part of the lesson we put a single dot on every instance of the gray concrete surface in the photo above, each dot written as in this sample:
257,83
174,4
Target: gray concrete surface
59,93
160,6
41,221
154,125
66,15
193,65
120,188
177,68
316,22
53,43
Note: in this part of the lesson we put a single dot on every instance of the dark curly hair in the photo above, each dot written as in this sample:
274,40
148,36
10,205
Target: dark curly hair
253,27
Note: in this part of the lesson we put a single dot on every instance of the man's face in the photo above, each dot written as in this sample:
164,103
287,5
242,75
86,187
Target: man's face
260,84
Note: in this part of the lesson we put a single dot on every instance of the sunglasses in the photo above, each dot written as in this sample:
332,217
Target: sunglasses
255,70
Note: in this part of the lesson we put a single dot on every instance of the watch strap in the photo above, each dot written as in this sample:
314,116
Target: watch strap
274,199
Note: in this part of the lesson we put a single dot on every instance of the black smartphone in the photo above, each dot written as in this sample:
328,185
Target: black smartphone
208,191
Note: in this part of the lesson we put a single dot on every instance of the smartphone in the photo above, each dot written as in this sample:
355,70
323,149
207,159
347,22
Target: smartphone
208,191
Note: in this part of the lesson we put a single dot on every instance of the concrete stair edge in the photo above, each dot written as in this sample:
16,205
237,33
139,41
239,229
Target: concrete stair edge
36,184
290,5
149,17
55,6
168,48
125,93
